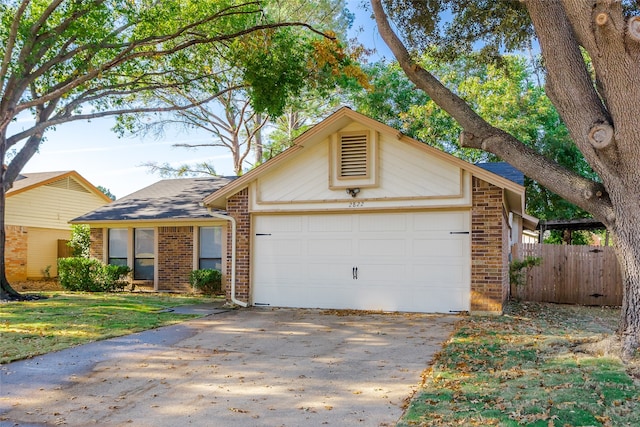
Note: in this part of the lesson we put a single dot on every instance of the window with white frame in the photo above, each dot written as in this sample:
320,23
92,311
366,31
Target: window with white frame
210,251
144,253
118,242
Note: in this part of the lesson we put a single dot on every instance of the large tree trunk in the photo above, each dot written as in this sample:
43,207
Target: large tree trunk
600,115
627,244
6,291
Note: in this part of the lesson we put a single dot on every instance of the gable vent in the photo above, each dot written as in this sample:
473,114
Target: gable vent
353,155
68,184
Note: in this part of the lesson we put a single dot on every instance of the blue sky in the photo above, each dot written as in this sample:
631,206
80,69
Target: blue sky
94,151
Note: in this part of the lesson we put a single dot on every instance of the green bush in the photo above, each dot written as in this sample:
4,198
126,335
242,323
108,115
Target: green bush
207,281
80,240
90,275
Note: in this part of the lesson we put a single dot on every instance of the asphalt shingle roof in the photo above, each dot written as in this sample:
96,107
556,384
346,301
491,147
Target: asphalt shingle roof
505,170
167,199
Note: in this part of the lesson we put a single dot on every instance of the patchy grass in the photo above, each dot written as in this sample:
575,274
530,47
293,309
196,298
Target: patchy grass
539,365
30,328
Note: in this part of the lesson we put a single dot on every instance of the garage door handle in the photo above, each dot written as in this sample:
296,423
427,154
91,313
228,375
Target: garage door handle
354,272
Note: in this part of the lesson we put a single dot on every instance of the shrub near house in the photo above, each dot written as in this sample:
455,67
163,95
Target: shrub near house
207,281
90,275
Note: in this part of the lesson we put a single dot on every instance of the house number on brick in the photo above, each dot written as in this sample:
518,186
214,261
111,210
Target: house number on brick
356,204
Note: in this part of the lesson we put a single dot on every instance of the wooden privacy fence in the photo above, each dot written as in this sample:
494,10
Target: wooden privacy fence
570,274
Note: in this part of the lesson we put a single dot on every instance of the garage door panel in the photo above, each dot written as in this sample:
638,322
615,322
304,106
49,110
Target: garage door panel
382,247
282,248
437,221
280,223
381,224
329,223
385,301
440,248
330,274
452,273
405,261
281,272
379,274
330,247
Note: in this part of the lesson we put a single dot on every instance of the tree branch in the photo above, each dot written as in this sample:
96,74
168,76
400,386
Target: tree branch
11,41
479,134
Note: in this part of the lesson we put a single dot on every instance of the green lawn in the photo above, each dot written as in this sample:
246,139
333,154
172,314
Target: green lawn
540,365
63,320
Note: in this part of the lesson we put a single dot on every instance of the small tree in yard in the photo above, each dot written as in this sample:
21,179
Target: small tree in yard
598,100
66,60
80,240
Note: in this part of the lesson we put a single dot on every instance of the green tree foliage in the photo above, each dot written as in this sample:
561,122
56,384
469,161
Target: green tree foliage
106,192
80,241
505,94
260,76
67,60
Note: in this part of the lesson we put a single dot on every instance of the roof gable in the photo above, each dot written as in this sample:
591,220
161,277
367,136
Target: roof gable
340,120
68,180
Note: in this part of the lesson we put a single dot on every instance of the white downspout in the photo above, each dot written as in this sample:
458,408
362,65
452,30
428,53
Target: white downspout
233,254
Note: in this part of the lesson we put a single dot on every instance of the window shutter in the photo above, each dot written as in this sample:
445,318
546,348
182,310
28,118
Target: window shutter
353,155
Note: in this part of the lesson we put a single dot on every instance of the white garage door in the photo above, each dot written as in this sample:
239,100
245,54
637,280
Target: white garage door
418,262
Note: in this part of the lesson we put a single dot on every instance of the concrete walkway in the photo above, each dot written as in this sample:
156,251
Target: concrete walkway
249,367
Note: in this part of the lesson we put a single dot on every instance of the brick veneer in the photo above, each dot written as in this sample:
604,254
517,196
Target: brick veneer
238,208
489,248
96,248
175,258
15,257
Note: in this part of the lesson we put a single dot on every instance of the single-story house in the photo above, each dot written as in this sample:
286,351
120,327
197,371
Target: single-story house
162,232
38,209
355,215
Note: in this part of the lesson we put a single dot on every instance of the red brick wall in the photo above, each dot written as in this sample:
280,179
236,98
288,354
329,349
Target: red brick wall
175,258
96,249
489,241
238,208
16,252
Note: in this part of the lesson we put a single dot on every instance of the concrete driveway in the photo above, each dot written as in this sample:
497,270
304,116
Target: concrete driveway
250,367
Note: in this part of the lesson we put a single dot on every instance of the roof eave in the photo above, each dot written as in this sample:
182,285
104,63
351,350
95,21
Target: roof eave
120,222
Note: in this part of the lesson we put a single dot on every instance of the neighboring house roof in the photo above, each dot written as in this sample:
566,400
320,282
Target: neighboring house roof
173,199
505,170
340,119
28,181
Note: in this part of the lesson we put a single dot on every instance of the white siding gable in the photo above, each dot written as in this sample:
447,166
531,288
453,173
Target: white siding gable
407,176
50,206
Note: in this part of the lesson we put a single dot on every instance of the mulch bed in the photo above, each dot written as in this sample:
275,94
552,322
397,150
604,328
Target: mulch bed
37,285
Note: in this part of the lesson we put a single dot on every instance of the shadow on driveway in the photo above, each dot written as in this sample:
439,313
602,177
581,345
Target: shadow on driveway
250,367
